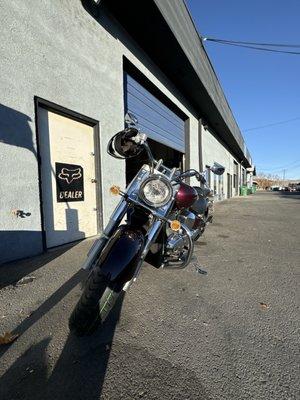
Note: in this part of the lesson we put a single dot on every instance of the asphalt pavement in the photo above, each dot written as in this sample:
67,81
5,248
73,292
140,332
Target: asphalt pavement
231,334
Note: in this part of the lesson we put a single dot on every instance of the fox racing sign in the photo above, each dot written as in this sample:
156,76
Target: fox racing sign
69,182
70,175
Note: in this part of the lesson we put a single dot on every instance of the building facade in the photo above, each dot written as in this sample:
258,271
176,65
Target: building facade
70,70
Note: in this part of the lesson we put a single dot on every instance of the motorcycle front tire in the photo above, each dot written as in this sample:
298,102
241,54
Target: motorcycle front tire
107,279
94,305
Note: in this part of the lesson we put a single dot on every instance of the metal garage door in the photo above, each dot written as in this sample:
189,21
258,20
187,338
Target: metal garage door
155,118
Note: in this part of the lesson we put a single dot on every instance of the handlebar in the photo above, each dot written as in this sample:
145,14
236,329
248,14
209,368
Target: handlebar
190,173
187,174
130,142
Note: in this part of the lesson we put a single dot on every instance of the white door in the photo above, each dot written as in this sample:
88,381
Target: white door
67,178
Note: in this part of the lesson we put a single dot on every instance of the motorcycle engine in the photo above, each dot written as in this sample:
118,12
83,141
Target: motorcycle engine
177,241
188,219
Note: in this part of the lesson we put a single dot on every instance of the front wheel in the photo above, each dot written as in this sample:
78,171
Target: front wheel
116,266
97,300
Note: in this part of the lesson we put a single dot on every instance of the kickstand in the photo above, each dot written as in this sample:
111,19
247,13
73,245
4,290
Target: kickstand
201,270
197,267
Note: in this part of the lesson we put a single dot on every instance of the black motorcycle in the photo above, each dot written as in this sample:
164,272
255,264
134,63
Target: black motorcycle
157,220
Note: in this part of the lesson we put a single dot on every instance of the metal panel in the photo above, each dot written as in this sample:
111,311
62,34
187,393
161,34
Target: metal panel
155,118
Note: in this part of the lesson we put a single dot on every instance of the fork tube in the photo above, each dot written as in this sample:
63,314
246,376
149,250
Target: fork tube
99,243
150,238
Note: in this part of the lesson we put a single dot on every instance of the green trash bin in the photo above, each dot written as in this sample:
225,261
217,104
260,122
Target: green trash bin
243,191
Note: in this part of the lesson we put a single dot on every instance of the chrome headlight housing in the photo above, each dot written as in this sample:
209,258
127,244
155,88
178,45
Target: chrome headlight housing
156,191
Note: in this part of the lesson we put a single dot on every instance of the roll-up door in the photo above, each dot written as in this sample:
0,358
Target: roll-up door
157,120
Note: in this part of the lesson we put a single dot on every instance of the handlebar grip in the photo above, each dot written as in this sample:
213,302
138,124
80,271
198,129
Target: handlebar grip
189,174
184,175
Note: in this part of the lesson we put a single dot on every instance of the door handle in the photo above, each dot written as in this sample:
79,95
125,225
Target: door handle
94,180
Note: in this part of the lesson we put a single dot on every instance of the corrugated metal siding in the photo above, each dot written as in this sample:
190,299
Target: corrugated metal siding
155,118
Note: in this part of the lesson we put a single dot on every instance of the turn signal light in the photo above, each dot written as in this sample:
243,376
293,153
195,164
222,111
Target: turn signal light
175,225
115,190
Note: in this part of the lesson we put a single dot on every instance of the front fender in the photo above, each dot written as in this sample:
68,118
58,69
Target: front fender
120,257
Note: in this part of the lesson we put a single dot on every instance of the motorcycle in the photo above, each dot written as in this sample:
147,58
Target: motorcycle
158,219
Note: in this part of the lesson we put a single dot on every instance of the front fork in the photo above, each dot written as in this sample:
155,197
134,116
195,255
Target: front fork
151,236
100,243
112,225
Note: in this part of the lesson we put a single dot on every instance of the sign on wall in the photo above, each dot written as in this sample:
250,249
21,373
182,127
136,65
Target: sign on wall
69,182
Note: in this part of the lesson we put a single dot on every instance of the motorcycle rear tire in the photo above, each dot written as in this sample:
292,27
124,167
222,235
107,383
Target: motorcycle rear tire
94,305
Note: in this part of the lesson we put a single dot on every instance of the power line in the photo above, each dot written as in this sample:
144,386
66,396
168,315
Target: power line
236,44
273,124
251,43
279,166
260,48
294,167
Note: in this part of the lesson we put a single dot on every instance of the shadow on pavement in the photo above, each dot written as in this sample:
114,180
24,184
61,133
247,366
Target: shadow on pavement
43,309
27,376
80,370
290,195
13,271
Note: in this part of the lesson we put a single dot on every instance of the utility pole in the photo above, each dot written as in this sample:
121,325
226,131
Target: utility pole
283,182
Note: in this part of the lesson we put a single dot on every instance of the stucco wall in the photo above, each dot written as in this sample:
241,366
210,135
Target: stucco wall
55,50
214,151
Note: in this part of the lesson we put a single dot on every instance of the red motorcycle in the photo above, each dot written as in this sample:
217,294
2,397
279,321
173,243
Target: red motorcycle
163,216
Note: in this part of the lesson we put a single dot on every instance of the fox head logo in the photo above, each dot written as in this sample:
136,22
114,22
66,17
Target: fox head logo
70,175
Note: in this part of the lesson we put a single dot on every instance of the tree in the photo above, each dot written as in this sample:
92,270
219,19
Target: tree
266,180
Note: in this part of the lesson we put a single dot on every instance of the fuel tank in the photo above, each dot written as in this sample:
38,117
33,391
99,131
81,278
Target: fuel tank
186,196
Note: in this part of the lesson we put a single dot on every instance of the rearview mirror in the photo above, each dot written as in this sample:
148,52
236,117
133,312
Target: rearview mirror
217,169
125,146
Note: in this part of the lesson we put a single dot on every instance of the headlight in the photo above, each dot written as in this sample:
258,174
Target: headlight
156,191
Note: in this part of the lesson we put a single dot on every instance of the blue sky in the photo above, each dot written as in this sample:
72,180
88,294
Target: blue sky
262,88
